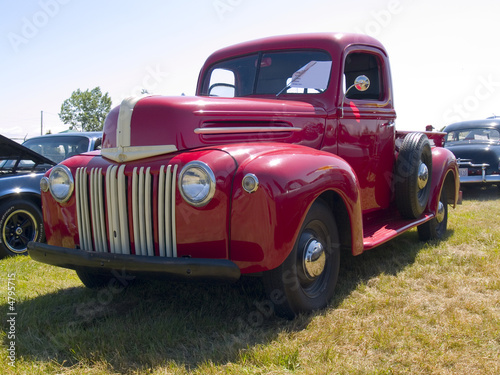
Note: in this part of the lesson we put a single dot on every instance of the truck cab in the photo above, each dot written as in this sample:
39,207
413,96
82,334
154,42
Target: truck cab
287,155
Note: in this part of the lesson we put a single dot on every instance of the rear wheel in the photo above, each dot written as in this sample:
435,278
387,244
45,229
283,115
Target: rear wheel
435,229
20,223
306,280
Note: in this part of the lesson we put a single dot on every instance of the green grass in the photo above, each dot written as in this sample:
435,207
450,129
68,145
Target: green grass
404,308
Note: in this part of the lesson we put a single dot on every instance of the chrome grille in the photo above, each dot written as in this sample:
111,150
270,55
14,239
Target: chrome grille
103,210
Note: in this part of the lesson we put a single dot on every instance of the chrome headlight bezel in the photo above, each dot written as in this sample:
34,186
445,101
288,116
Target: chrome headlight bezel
202,183
61,190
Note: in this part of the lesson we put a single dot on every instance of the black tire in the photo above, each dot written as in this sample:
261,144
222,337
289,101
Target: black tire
94,280
435,229
20,222
413,175
291,287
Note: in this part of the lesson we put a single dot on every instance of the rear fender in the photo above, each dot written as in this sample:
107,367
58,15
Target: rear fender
266,223
444,176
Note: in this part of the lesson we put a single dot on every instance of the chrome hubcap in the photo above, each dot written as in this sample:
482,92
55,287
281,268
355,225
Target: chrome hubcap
314,259
440,212
423,175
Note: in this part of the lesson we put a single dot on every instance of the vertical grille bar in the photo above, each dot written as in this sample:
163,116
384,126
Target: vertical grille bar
166,212
112,208
97,212
82,209
161,210
172,210
147,213
142,211
135,209
122,211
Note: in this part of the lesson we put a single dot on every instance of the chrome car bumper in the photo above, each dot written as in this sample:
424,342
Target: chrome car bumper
179,268
480,179
483,178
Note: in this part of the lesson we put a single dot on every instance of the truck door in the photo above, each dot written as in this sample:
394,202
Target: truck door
366,132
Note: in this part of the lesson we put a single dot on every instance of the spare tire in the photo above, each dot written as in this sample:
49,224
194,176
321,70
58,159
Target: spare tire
413,175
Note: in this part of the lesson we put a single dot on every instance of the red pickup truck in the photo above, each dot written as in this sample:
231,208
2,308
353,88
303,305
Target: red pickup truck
286,156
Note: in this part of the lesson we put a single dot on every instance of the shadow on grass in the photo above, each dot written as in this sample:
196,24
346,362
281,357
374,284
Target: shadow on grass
161,323
480,193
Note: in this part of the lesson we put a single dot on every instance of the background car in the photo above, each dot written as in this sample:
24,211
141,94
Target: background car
476,145
21,168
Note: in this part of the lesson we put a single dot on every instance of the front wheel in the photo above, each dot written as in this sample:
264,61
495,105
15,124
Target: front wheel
20,223
94,280
435,229
306,280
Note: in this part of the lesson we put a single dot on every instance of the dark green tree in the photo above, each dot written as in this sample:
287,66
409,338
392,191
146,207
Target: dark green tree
86,110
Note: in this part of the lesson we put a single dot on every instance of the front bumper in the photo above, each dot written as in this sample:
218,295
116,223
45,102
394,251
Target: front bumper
179,268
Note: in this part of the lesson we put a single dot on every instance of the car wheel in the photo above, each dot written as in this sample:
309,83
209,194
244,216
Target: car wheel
413,174
435,229
20,222
306,280
94,280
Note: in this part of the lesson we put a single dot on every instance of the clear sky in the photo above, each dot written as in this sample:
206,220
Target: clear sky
445,54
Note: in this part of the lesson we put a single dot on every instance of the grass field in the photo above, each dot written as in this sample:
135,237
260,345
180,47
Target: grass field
404,308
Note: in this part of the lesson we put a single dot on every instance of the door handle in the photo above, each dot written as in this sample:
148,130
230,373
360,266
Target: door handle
389,124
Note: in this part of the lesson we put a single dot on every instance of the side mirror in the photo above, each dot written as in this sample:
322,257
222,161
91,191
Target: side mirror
361,83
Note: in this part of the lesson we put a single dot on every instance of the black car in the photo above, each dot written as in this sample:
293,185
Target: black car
476,145
21,168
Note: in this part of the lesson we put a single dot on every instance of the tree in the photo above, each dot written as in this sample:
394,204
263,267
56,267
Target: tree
86,110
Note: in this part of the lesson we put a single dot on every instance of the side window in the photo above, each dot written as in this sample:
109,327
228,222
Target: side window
222,83
367,64
97,144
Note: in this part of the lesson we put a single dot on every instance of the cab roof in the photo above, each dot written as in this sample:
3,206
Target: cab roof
332,42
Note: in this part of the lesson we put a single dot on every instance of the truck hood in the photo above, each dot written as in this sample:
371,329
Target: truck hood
12,153
155,125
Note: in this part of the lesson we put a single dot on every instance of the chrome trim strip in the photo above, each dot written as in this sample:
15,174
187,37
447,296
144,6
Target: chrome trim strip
130,153
250,129
469,164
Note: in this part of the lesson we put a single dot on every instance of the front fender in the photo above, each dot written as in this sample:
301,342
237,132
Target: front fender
265,224
444,171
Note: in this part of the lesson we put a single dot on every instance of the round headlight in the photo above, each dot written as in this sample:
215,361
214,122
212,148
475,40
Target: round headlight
250,183
44,184
197,183
61,183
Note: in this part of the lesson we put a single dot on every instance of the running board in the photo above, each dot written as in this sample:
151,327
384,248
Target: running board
380,229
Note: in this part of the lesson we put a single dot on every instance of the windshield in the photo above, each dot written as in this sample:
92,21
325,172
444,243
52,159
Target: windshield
473,135
271,73
58,148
